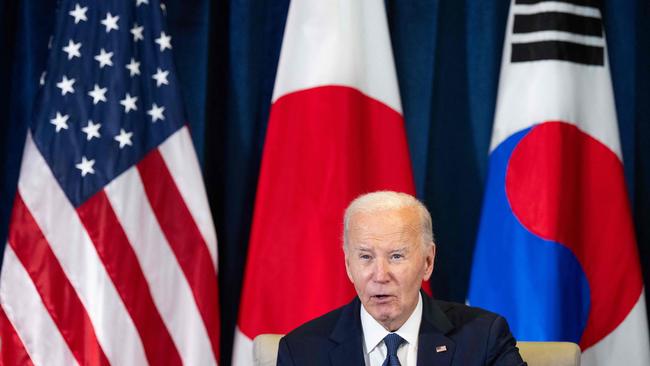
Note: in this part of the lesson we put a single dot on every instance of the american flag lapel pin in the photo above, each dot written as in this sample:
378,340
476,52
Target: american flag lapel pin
441,349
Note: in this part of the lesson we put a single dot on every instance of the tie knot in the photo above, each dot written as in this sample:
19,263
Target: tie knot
393,341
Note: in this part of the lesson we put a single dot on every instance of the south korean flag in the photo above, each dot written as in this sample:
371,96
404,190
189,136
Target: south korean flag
556,252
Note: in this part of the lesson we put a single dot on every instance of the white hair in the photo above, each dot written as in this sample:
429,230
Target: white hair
388,200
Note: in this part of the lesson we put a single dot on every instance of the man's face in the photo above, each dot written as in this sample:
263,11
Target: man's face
387,263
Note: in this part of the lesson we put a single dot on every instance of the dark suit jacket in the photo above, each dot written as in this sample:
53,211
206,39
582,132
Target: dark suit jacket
472,336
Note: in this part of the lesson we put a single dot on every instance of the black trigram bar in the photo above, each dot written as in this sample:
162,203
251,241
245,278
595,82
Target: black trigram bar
557,50
588,26
592,3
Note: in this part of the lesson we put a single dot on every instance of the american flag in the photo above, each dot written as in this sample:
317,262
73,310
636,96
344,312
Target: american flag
111,254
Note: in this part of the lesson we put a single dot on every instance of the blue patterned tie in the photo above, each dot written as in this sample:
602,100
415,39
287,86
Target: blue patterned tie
392,341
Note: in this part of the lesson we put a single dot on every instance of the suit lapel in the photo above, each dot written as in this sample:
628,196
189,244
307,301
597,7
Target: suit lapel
348,335
434,347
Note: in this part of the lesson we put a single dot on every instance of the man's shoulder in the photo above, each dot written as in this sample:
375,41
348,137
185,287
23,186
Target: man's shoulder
319,327
461,315
480,332
455,308
311,343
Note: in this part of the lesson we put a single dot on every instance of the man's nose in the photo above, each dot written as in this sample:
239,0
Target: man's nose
382,271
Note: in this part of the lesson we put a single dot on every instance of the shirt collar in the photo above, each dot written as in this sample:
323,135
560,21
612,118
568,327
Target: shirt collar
374,332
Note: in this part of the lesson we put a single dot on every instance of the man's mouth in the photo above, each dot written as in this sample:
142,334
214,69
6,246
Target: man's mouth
381,297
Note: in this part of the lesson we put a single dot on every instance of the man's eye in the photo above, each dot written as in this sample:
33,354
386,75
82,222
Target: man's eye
364,257
397,256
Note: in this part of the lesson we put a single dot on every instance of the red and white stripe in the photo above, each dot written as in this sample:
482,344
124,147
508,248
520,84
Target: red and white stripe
27,320
127,278
625,345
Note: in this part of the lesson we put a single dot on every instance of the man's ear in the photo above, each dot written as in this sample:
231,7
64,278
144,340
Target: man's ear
429,259
347,265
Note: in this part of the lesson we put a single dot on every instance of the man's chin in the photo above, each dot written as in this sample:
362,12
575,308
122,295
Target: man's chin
388,320
382,312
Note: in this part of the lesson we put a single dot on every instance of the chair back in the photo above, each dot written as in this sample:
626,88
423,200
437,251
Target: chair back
550,353
265,349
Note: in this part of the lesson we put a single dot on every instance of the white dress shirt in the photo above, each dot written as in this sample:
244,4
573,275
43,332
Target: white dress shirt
374,349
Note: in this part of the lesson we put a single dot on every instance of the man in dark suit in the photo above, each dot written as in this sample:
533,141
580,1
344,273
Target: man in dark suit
389,251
